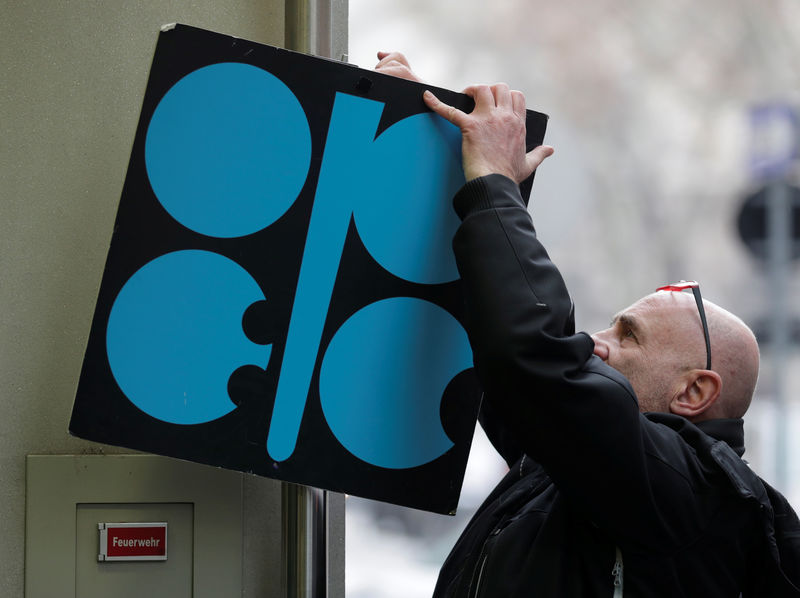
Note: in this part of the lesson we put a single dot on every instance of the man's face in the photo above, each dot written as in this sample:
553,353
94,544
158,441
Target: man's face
653,343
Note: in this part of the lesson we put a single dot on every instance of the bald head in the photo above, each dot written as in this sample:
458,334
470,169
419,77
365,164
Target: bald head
658,344
735,358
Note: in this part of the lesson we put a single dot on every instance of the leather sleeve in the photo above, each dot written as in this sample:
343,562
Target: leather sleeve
559,403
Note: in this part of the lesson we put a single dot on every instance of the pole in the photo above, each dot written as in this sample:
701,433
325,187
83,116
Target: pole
305,509
779,221
305,541
309,27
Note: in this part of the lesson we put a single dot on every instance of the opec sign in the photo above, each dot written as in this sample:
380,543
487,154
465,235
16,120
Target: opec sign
280,296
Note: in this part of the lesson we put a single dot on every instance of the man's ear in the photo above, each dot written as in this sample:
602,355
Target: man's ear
700,393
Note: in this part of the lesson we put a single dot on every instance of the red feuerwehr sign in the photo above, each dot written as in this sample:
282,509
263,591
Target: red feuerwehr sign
133,541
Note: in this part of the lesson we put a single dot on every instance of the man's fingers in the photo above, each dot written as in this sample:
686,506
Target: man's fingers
482,94
396,64
536,156
447,112
518,103
502,95
493,135
385,57
498,95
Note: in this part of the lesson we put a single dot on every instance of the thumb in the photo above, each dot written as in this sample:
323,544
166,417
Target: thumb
536,156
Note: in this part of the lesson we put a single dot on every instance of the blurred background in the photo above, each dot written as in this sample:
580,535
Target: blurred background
676,126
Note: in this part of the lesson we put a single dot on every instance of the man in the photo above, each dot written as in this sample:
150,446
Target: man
624,447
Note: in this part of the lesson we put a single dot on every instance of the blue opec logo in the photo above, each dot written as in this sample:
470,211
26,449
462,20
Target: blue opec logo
227,153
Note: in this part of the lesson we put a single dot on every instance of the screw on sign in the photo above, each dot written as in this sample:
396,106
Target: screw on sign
754,218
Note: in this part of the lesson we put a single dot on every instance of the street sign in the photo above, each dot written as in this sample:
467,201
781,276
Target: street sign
775,139
280,296
753,218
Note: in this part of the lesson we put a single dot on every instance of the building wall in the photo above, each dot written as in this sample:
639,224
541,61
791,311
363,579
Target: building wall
73,78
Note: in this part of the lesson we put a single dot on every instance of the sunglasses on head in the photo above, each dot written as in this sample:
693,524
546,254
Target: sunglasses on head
695,287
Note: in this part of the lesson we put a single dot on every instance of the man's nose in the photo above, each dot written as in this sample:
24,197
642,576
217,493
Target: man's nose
601,347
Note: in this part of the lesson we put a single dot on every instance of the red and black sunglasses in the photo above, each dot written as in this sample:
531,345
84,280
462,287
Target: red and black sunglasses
695,287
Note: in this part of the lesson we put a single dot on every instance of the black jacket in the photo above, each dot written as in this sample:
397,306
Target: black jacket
597,492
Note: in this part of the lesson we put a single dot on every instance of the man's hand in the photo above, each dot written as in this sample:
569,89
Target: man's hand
396,64
493,134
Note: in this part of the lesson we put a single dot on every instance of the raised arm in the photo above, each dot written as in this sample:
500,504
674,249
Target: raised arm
562,405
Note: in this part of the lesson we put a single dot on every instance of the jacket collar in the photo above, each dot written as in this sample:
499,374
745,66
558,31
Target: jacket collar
729,430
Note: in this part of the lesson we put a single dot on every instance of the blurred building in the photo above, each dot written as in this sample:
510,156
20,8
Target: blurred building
651,110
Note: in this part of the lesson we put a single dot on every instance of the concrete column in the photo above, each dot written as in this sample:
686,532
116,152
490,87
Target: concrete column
74,74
